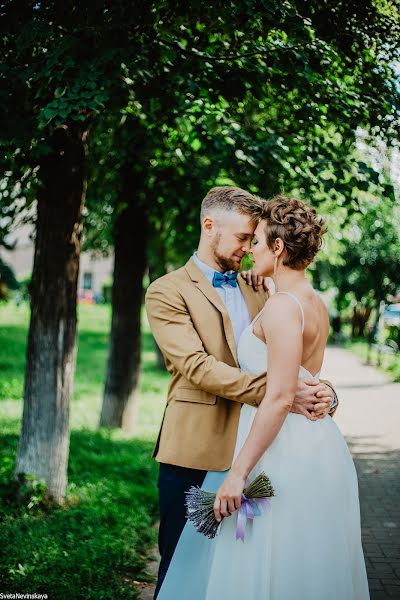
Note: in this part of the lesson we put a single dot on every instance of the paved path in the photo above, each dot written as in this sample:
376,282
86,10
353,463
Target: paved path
369,417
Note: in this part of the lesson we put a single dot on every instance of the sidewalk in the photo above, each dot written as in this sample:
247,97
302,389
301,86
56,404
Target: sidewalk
369,417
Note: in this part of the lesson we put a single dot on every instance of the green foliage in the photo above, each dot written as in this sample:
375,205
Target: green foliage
367,264
265,95
24,284
390,363
97,544
7,280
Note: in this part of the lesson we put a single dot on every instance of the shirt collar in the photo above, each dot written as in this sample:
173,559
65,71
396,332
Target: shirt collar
206,269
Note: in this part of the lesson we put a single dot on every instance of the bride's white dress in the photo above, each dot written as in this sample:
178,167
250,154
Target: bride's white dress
308,545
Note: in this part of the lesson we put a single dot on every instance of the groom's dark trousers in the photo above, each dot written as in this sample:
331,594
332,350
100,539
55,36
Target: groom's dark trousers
173,482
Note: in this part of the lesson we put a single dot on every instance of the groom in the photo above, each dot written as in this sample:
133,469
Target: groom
197,314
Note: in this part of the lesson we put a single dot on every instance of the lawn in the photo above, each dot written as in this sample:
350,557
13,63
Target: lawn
96,546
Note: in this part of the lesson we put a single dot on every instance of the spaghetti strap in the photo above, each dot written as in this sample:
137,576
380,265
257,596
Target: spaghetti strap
257,316
299,303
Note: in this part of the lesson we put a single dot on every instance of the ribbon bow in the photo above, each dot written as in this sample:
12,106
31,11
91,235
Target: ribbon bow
220,278
250,508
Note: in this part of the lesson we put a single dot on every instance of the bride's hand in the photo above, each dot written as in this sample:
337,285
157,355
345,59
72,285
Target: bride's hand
229,496
255,280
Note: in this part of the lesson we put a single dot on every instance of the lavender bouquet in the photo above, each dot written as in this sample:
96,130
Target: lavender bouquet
200,506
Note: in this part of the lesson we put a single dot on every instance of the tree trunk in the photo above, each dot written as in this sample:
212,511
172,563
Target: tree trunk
360,318
121,388
51,351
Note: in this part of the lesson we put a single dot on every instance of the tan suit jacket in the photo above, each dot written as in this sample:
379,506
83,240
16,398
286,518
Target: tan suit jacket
191,325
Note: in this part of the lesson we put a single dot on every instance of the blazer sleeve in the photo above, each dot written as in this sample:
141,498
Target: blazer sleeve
178,340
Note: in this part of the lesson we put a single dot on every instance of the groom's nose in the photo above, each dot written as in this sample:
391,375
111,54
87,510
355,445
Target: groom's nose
247,247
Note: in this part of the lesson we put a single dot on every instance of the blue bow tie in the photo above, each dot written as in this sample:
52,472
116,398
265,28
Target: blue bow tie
220,278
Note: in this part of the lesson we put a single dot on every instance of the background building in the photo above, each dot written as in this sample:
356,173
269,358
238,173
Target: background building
94,270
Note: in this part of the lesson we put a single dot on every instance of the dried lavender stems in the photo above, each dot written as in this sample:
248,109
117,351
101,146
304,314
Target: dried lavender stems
200,504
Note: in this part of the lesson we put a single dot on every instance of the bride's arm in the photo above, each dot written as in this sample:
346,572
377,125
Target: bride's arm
282,328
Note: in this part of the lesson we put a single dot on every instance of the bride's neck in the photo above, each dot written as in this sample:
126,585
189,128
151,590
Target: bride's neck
287,279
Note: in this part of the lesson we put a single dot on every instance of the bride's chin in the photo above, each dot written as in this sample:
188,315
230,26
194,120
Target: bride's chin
261,272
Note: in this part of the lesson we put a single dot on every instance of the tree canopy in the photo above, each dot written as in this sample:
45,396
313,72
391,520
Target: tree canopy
267,95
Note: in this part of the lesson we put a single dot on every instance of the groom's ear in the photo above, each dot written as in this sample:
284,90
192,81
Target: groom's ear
208,224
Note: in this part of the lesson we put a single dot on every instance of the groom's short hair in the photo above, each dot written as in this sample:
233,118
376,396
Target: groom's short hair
230,198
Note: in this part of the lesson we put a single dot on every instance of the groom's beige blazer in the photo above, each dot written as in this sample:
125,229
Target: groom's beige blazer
191,326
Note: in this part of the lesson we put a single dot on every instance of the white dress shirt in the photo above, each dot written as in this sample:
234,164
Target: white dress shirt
232,297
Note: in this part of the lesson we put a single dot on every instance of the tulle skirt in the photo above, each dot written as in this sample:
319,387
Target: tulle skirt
307,546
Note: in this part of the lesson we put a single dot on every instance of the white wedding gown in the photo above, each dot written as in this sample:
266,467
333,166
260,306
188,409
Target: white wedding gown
307,546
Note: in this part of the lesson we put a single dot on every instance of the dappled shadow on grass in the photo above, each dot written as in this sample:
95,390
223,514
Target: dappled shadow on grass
95,456
96,545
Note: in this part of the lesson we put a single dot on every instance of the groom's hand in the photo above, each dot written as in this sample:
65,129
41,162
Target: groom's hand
255,281
313,399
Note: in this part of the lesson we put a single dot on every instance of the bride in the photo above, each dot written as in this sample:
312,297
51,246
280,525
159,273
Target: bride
307,546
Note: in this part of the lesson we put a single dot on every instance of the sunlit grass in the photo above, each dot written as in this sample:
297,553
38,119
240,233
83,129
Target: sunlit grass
96,545
93,330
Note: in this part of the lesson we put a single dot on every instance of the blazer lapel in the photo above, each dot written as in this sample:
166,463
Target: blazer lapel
254,300
201,281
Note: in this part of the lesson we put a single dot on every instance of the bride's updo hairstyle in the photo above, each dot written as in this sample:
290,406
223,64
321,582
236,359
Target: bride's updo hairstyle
298,226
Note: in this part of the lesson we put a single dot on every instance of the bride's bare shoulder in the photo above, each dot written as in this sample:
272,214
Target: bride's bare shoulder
280,306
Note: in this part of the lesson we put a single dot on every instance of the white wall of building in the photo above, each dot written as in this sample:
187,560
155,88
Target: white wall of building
94,269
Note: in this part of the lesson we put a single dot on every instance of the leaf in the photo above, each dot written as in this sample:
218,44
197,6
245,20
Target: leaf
196,145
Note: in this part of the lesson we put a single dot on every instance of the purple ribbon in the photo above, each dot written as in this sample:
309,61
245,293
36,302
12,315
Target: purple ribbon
250,508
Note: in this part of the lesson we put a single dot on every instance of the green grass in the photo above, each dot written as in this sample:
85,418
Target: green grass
390,363
96,545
